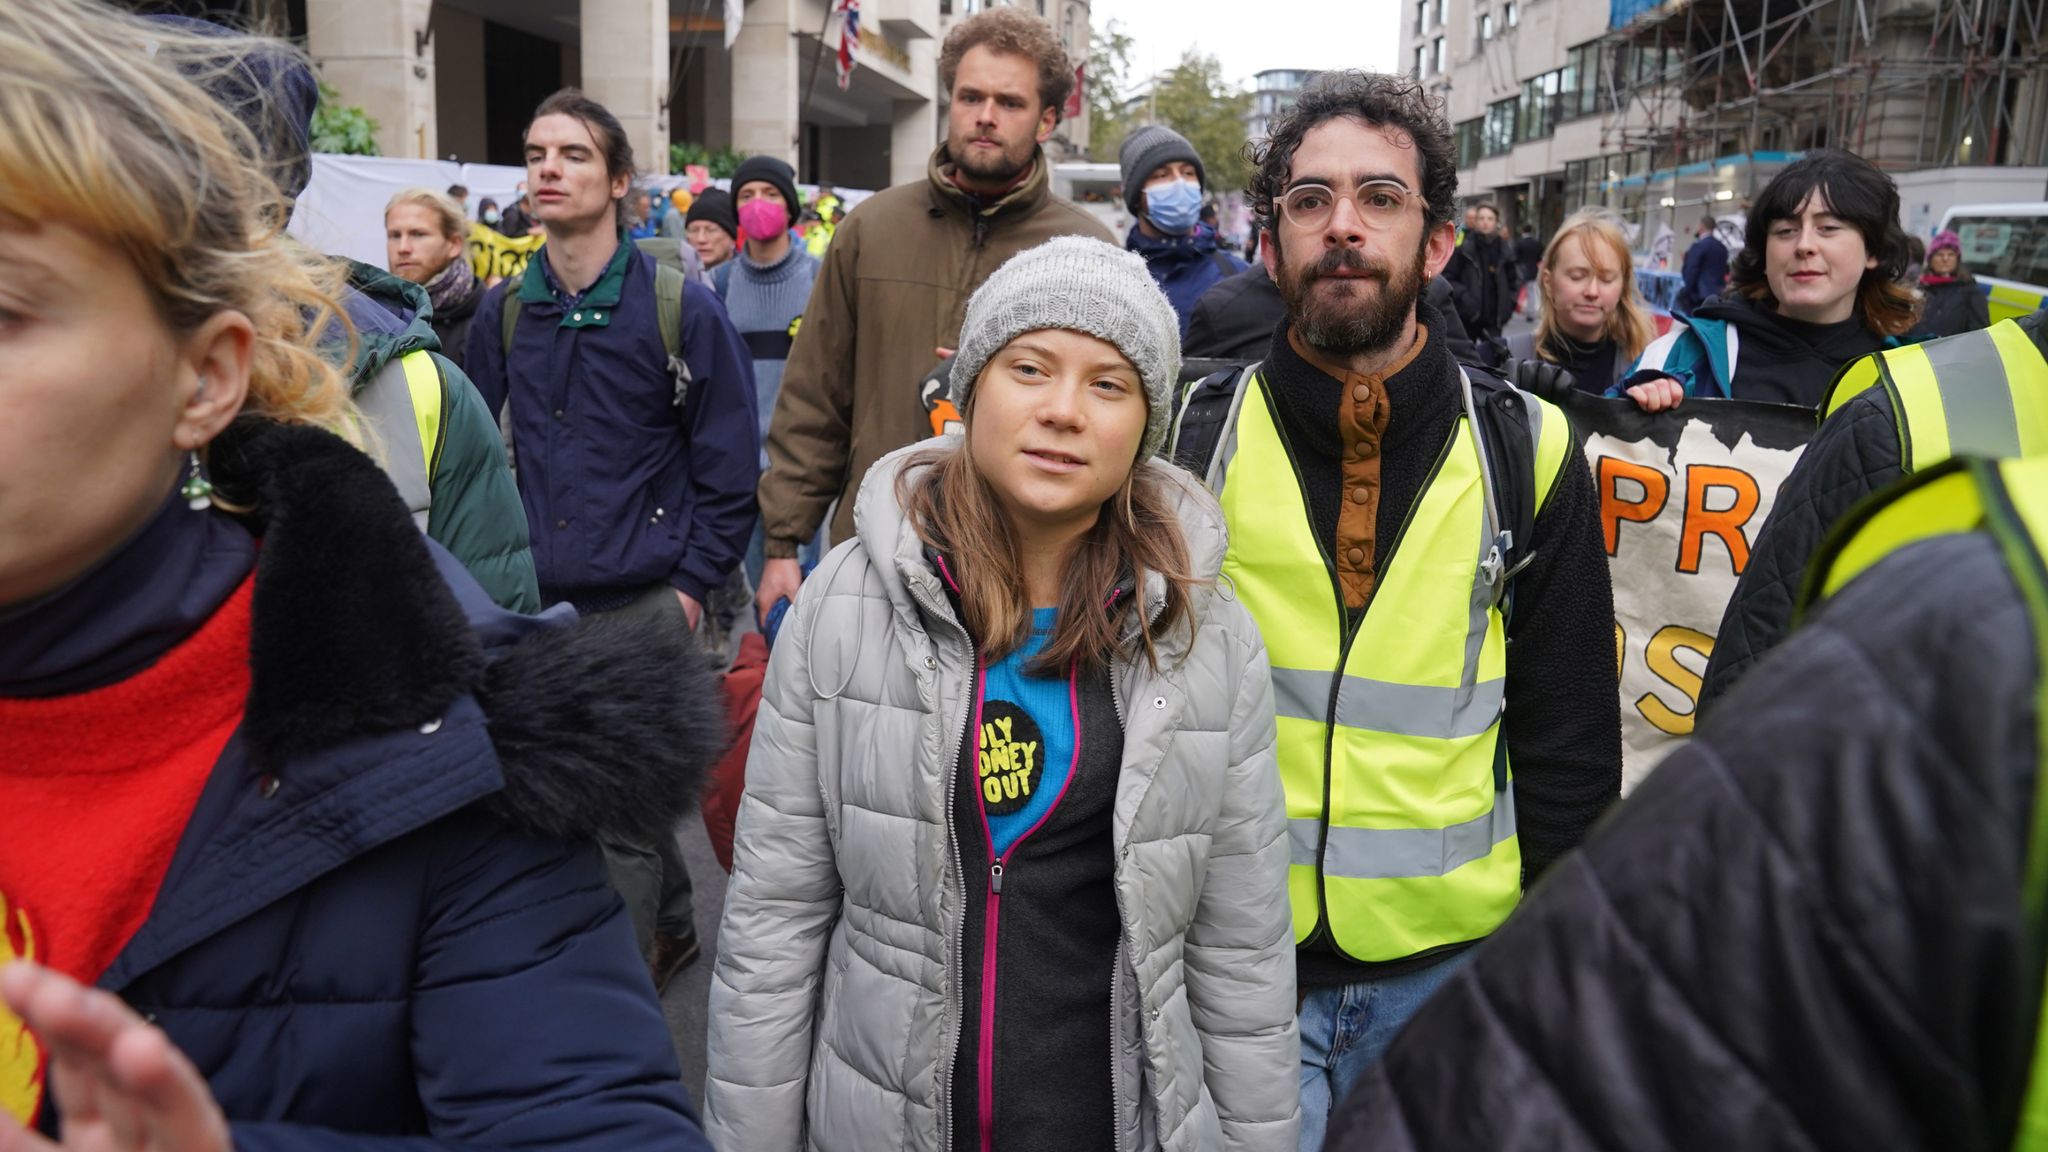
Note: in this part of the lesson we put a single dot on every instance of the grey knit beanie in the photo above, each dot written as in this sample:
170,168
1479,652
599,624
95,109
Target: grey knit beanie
1077,285
1143,152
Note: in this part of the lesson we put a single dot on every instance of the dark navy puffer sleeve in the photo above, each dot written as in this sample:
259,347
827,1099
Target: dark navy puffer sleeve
725,444
532,1022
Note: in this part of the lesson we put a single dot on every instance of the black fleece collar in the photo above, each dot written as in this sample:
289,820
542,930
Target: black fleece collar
355,633
601,726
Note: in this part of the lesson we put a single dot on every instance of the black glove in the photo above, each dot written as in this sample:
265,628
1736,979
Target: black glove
1540,377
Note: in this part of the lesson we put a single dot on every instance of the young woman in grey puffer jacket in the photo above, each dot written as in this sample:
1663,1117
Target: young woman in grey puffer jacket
1011,869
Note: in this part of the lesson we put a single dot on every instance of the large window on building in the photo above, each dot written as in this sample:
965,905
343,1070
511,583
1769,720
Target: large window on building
1437,60
1485,27
1421,15
1540,102
1500,126
1579,82
1511,14
1469,139
1421,58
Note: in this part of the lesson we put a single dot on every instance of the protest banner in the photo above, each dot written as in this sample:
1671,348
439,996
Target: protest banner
494,255
1683,494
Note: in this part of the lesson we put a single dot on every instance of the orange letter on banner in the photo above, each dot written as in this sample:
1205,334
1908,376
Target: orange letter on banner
1727,525
1613,509
1662,658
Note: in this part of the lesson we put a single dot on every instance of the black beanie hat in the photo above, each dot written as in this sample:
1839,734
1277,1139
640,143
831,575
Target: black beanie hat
715,205
769,170
1143,151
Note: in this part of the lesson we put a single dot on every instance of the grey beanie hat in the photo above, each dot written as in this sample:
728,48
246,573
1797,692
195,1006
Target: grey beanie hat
1077,285
1143,152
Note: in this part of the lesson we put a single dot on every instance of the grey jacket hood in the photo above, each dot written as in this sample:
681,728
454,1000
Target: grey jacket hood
885,531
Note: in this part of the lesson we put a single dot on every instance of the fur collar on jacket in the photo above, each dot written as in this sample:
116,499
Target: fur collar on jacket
899,555
601,726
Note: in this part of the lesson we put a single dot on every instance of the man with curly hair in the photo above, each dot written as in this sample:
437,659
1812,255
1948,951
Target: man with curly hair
1422,551
895,282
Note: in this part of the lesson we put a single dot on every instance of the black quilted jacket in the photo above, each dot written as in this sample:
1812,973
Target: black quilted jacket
1803,932
1855,453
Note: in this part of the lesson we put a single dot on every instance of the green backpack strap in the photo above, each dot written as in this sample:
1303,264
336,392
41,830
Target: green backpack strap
668,305
510,320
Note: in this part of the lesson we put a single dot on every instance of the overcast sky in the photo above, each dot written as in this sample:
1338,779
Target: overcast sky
1250,36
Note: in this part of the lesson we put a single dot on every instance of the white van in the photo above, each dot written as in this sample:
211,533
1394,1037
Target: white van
2005,246
1097,188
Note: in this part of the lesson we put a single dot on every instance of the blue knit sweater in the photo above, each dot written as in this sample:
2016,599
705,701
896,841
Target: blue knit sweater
766,303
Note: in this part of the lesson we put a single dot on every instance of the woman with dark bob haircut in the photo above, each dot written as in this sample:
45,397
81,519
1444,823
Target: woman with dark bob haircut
1819,282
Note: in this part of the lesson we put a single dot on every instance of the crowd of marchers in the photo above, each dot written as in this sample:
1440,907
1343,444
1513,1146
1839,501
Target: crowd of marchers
1140,764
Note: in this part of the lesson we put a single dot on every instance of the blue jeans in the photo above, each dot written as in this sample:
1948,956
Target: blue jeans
1346,1029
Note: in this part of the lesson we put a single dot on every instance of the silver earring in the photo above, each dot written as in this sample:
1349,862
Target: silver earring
197,489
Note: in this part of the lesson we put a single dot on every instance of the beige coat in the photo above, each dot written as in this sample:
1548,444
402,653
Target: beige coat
893,288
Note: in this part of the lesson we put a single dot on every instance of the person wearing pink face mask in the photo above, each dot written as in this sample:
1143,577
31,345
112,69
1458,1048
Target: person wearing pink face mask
766,286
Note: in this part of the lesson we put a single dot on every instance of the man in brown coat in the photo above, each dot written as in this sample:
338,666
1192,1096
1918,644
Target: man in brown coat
895,282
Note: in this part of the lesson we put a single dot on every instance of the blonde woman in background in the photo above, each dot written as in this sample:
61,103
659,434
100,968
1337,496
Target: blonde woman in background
1593,323
295,845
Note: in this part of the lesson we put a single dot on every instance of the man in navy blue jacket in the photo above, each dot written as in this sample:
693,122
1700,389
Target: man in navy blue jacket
639,490
1705,271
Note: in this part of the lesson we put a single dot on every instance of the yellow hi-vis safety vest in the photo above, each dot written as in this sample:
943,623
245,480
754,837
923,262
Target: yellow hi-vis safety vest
1982,393
1401,819
403,405
2008,500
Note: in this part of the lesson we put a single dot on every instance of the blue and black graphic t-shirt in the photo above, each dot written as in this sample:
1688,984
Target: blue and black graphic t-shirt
1026,745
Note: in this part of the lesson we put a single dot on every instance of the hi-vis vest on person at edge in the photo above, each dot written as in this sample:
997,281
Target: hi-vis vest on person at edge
1982,393
2009,500
1400,803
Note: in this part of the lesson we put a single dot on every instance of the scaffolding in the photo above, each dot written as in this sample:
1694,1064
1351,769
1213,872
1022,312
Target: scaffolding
1704,84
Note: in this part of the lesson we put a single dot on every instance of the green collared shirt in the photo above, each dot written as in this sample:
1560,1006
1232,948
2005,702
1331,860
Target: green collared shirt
589,309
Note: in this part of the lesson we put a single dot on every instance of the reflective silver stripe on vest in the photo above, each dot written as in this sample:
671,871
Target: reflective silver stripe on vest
1970,375
386,402
1400,853
1397,709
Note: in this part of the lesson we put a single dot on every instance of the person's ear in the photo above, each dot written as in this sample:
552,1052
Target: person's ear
1437,247
1048,119
1269,254
213,376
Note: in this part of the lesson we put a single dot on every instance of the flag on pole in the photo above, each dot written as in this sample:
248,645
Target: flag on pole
849,40
735,14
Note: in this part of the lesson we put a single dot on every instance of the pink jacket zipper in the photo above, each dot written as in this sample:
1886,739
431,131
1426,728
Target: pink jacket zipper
985,1059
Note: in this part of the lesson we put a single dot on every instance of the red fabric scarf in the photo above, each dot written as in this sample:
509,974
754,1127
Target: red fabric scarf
98,788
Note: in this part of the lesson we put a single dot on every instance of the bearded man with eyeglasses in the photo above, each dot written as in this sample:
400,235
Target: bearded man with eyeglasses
1421,546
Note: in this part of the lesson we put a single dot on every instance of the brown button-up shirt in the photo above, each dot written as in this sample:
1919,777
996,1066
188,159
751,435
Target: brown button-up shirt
1362,418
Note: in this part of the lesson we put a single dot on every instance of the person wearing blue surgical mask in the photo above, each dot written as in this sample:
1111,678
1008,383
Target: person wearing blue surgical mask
1163,188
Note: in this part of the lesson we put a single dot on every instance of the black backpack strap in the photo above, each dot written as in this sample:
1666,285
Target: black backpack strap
1203,412
1223,263
1507,440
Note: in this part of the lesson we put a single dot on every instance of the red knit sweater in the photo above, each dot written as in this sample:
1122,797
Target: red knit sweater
97,790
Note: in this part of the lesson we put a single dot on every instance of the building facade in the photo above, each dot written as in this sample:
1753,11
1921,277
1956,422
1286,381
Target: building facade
1273,92
458,79
1667,111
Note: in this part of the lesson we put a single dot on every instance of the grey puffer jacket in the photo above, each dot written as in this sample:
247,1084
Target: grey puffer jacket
835,1002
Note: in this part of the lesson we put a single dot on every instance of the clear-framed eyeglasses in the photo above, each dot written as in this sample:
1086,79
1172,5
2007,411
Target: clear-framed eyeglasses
1379,204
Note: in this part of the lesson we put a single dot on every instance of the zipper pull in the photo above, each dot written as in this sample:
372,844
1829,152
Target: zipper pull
995,878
